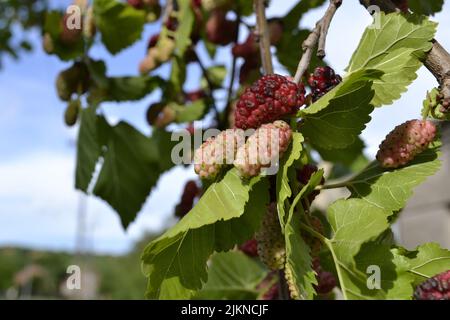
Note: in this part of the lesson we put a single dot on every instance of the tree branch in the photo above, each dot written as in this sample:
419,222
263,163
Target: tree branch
262,36
317,37
437,60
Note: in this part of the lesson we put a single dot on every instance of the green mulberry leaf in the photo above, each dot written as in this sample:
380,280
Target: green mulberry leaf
395,48
283,188
233,275
119,24
336,120
227,214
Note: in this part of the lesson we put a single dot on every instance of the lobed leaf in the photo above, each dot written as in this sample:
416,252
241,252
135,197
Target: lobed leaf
336,120
228,213
283,188
395,48
233,275
120,25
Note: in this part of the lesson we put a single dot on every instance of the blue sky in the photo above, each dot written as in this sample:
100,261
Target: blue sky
38,204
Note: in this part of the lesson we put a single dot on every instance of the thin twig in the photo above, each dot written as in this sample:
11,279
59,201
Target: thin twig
325,25
168,10
317,37
262,35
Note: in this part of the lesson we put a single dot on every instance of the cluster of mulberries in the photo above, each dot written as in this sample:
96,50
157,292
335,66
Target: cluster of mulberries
215,153
270,98
435,288
403,143
70,36
190,192
75,79
161,46
271,248
322,80
250,248
72,111
263,149
325,280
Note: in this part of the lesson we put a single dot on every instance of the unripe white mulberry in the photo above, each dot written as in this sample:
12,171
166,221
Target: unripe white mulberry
263,148
406,141
215,153
271,244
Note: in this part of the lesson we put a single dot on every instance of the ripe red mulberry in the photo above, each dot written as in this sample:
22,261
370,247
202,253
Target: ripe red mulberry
250,248
323,80
435,288
190,192
325,280
406,141
270,98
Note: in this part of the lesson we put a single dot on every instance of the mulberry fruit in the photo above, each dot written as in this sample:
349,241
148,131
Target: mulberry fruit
269,287
71,113
325,280
403,143
248,49
250,248
48,44
220,30
270,98
435,288
190,192
195,95
402,5
271,247
72,80
323,80
263,148
70,32
215,153
272,293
